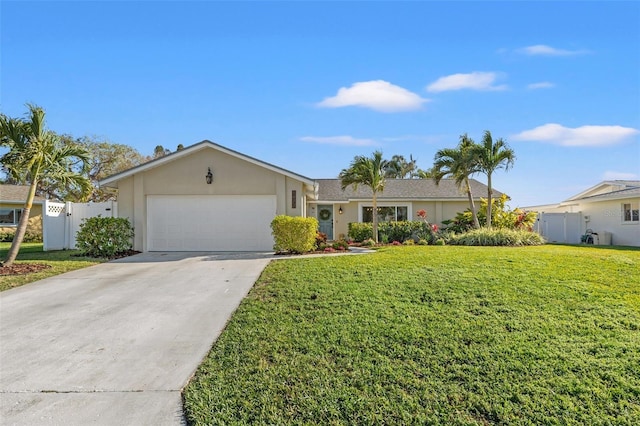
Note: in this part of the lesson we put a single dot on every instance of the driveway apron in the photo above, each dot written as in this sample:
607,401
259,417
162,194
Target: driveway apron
114,344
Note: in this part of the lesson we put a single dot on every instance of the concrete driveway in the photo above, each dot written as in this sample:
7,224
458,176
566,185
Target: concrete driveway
114,344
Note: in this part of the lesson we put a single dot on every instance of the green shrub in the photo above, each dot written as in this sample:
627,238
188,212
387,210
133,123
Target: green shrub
360,232
400,231
29,237
341,245
387,231
321,239
104,236
294,234
423,242
409,242
368,243
497,237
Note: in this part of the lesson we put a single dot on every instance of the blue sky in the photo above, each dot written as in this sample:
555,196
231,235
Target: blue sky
309,85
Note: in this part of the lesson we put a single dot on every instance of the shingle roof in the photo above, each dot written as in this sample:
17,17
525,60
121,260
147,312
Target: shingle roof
416,189
630,192
16,193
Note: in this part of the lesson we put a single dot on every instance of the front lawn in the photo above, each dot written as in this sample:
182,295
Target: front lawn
60,261
432,335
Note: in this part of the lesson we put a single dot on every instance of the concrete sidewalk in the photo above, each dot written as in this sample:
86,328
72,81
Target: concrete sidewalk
113,344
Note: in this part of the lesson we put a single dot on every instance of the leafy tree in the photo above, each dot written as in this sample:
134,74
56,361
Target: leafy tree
35,152
458,163
490,156
107,159
367,171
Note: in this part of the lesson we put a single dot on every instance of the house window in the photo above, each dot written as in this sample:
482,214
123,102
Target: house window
294,199
630,212
385,213
10,216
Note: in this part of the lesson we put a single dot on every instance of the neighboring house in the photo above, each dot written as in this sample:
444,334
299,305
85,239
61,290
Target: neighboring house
174,206
208,198
400,200
12,198
611,209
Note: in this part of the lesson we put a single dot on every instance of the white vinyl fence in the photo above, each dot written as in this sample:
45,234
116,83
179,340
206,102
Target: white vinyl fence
61,221
560,227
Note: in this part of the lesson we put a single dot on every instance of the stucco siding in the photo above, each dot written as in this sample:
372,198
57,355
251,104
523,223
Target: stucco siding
186,176
35,219
607,216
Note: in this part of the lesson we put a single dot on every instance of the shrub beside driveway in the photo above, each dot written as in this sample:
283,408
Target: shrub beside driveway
59,262
432,335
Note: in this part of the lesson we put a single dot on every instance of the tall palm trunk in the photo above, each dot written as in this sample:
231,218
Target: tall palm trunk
489,200
472,204
375,216
22,226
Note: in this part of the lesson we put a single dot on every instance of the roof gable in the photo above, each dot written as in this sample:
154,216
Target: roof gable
401,189
608,189
206,144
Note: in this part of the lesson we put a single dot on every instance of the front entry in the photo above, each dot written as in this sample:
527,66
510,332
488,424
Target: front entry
325,220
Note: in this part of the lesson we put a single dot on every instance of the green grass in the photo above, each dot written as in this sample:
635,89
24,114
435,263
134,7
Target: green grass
60,261
432,335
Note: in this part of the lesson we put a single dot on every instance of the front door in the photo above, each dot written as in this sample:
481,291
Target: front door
325,220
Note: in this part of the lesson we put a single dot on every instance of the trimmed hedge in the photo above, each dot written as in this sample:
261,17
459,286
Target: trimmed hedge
7,237
104,236
294,234
387,231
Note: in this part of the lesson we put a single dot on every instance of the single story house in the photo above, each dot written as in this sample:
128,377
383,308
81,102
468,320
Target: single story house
12,198
207,197
401,200
611,209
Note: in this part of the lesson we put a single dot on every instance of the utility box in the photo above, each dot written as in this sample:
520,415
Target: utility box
604,238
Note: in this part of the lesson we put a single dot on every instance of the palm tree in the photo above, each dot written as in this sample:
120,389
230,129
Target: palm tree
399,168
492,155
33,153
459,163
368,171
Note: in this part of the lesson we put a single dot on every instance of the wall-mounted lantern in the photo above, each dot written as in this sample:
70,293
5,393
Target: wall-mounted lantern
209,177
340,210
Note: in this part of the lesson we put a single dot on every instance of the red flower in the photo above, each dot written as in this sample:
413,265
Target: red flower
434,227
422,214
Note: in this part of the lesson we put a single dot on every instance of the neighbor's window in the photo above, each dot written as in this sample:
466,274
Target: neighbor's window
630,212
385,213
10,216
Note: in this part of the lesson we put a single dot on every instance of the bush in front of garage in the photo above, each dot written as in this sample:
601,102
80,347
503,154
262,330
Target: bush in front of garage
294,234
105,236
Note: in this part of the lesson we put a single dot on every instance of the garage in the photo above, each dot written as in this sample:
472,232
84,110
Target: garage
210,223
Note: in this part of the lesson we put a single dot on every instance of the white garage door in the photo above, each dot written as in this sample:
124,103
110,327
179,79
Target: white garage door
210,223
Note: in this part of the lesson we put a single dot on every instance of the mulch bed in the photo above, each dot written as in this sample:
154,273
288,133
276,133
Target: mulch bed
23,268
29,268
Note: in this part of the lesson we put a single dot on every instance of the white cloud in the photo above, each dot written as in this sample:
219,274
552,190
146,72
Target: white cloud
544,50
541,85
613,175
339,140
475,81
378,95
579,136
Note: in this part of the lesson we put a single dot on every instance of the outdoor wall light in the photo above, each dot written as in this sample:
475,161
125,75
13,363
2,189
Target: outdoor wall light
340,210
209,177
